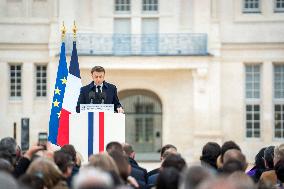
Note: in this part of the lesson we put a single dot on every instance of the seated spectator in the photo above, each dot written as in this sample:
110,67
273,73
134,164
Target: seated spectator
279,171
231,157
228,145
32,181
210,153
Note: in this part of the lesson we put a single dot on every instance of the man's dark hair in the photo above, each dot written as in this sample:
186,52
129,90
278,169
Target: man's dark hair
174,160
268,156
69,149
62,160
114,146
166,147
97,69
279,170
210,153
228,145
168,179
233,166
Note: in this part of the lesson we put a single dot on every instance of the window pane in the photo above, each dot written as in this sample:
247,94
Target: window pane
252,78
41,80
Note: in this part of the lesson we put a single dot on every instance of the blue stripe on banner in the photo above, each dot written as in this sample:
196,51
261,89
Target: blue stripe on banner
90,132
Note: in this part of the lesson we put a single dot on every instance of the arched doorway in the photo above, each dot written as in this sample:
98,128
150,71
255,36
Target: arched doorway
143,112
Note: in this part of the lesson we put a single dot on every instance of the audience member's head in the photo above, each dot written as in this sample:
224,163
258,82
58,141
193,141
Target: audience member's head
5,166
47,169
174,160
279,170
167,147
7,181
122,164
104,162
268,157
228,145
111,146
92,178
232,166
278,153
128,149
9,145
210,153
64,162
233,155
193,176
32,181
241,180
69,149
168,178
259,159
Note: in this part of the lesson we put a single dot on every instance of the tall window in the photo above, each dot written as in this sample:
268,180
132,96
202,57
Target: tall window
41,80
150,5
15,80
252,101
251,6
279,101
122,6
278,5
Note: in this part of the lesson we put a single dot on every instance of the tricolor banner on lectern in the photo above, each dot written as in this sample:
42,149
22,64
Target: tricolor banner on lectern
90,132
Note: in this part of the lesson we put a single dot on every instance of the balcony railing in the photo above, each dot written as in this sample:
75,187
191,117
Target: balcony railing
132,44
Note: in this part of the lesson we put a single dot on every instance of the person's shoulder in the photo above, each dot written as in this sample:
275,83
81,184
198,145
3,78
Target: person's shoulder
110,85
87,87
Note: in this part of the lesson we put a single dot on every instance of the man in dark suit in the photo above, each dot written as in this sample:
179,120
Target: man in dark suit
99,91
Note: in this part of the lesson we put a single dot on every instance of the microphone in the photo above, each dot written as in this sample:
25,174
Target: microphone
92,96
103,97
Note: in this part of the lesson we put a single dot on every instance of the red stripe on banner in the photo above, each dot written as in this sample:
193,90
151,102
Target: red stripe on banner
101,132
63,129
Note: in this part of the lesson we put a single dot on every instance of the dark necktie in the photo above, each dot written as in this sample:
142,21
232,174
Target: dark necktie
99,89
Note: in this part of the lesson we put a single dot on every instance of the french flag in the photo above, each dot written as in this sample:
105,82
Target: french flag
72,91
90,132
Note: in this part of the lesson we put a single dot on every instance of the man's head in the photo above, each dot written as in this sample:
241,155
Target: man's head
127,148
114,146
98,74
167,147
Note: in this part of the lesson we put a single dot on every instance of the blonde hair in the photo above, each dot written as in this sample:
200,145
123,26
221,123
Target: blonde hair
278,153
47,169
104,162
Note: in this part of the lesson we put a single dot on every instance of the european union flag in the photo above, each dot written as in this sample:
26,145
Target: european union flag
58,96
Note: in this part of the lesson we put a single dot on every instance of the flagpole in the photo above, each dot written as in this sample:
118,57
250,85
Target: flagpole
63,31
74,29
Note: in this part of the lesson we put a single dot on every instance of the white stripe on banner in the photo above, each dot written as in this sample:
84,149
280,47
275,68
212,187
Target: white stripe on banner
72,92
114,128
96,133
78,133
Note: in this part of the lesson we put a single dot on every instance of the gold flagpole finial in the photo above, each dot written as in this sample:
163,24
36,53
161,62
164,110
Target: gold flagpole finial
63,31
74,30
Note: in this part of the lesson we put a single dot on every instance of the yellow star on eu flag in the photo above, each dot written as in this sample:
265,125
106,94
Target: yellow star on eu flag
56,103
64,80
59,113
57,91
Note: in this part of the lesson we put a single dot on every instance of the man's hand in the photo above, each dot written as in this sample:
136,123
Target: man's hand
120,110
32,150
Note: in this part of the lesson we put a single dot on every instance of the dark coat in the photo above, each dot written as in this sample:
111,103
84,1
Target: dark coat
110,95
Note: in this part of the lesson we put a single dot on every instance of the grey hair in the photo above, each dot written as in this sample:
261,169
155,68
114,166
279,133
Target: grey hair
90,177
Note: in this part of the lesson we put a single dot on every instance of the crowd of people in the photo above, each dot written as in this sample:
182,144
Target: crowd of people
220,167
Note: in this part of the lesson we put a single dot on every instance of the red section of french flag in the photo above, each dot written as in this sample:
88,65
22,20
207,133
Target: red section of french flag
63,130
